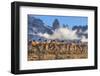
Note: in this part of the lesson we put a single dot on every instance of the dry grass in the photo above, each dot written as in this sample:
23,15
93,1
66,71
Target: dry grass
56,50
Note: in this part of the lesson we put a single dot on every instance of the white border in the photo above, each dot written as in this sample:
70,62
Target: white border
26,65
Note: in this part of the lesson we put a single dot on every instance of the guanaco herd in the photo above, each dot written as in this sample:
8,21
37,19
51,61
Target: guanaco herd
56,50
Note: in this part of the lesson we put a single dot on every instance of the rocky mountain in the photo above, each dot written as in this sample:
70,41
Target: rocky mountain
36,26
81,30
56,24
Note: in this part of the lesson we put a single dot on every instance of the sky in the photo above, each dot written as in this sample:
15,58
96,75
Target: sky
70,20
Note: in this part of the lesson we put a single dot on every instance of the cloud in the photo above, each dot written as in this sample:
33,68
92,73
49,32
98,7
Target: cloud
61,33
84,39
